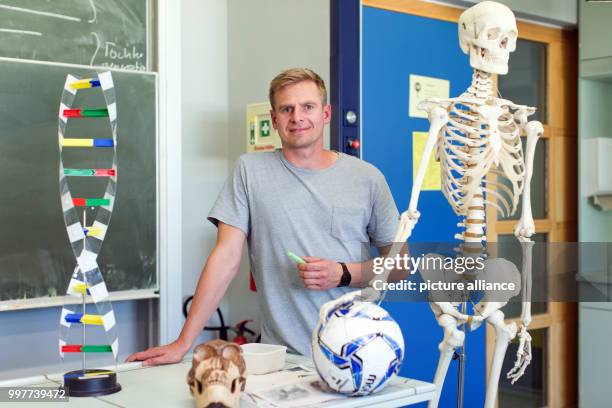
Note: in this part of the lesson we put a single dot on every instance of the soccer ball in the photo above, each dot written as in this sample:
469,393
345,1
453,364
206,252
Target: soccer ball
358,348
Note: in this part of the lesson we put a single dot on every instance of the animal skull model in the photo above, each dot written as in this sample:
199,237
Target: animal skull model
488,32
217,375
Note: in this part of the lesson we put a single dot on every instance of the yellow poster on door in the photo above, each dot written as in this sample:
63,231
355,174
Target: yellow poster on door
432,180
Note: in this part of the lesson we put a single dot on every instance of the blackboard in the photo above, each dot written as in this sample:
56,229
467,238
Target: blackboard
36,259
110,33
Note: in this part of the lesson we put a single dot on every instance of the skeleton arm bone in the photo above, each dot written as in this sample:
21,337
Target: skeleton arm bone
526,227
523,231
438,117
523,353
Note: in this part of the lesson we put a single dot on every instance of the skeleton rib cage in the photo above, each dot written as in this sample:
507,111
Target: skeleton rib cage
467,155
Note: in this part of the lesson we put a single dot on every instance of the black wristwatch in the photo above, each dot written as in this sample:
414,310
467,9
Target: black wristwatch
345,280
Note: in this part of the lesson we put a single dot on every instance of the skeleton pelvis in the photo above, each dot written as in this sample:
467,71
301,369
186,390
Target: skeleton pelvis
496,270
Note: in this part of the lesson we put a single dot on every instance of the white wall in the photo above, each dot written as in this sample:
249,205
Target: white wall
170,169
204,128
265,37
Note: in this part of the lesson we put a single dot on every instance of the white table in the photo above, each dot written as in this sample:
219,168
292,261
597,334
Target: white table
166,386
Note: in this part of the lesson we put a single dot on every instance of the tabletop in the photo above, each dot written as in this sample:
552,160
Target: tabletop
166,386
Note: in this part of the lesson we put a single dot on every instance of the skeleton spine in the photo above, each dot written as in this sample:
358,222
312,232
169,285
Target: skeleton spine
481,88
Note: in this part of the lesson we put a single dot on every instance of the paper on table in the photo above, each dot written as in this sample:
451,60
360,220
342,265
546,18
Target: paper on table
433,178
289,388
303,392
291,373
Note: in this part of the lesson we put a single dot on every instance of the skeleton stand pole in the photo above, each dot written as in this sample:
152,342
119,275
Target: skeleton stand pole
461,356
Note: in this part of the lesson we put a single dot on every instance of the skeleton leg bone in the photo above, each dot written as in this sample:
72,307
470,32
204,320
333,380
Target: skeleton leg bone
453,338
503,334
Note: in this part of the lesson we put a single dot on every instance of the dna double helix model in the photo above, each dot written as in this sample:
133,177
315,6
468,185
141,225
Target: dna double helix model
86,239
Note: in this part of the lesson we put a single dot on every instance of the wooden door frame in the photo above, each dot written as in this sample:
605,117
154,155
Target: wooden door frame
560,130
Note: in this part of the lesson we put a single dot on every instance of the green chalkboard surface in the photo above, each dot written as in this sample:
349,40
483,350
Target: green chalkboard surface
110,33
36,259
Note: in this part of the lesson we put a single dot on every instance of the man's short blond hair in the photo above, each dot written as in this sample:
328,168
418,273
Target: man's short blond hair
293,76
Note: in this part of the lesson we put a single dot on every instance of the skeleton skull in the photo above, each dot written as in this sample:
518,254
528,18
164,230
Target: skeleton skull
216,377
487,31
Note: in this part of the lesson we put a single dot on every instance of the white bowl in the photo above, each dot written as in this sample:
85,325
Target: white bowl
263,358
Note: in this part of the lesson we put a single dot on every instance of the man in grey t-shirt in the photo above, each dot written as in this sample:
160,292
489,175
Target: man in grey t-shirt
325,206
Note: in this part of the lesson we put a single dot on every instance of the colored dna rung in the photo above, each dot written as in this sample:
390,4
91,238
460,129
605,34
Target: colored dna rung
84,318
90,172
92,348
87,374
85,113
92,231
90,202
85,83
68,142
81,288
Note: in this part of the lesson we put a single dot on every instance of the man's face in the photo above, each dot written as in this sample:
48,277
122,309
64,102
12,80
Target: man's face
299,115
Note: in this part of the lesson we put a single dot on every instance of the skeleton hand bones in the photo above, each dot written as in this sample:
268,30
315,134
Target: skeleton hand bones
523,355
408,220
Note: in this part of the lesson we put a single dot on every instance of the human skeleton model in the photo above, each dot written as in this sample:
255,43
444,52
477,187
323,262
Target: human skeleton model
473,135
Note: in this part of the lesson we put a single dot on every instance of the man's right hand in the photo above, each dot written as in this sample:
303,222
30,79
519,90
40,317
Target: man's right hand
168,354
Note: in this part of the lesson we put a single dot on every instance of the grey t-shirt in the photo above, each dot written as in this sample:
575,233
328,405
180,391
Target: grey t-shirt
333,213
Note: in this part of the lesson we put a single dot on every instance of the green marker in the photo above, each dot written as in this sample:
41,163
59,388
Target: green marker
295,258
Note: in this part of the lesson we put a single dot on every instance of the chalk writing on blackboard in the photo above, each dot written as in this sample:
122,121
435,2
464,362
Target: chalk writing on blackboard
109,33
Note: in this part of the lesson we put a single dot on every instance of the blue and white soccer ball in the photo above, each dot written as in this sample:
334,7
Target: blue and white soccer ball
358,348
